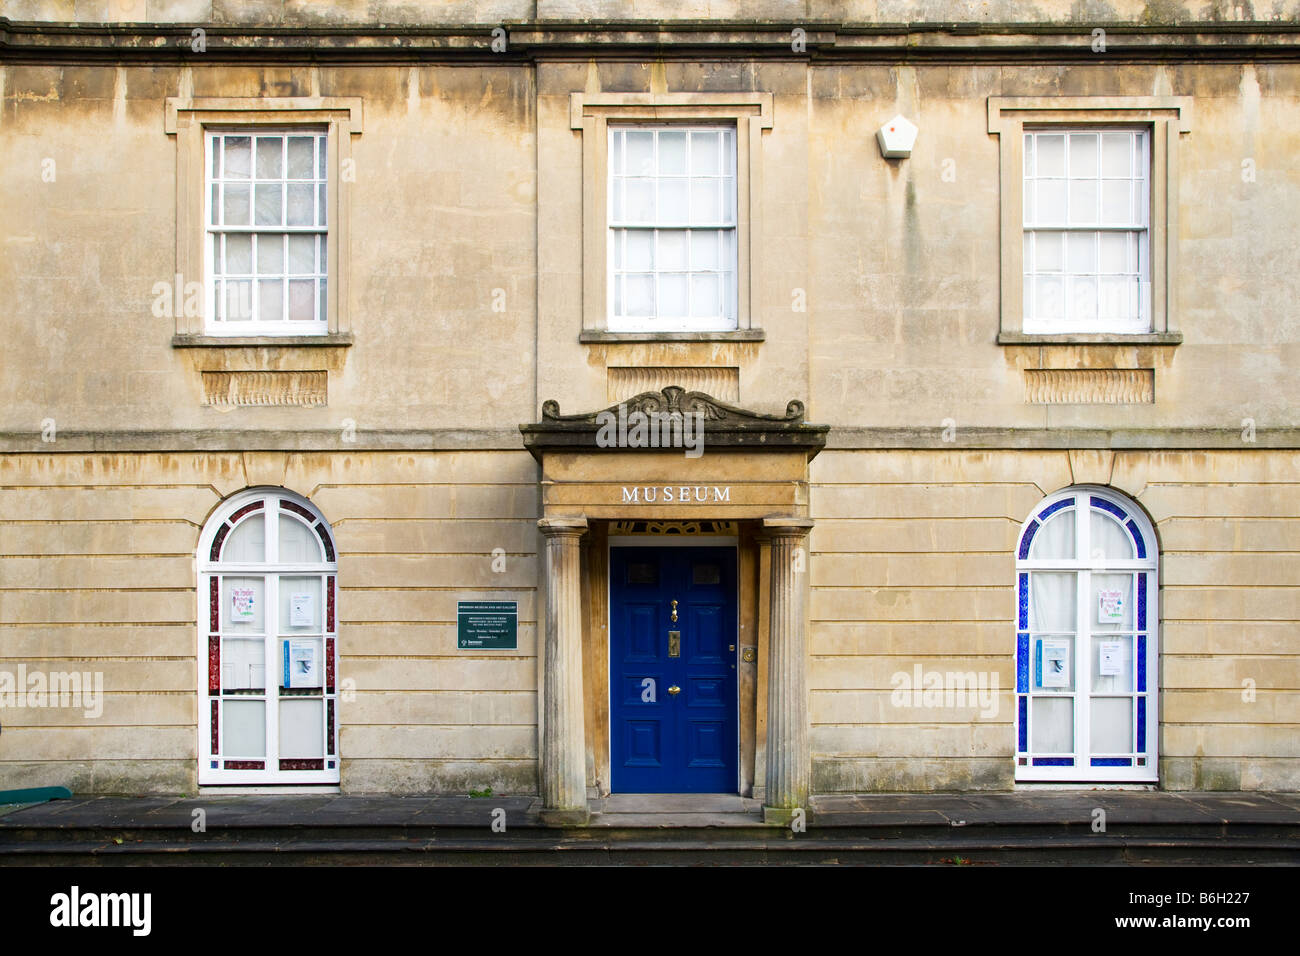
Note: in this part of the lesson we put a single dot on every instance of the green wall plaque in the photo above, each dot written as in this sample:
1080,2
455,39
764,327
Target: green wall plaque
487,625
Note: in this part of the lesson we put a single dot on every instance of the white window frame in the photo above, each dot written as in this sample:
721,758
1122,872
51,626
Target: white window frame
1085,638
724,227
1138,227
215,307
272,572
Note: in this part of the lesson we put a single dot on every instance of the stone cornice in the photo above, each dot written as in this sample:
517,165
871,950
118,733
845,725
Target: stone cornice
841,437
731,39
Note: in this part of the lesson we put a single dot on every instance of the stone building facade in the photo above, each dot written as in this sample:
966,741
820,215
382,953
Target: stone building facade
998,477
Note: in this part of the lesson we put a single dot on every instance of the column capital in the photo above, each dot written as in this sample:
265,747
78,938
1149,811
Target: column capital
561,526
787,526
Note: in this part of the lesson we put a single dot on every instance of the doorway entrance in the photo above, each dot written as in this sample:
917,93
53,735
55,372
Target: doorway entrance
673,689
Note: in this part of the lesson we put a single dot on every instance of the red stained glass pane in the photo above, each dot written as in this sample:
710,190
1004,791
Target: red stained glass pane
214,604
314,764
329,665
218,541
329,727
247,509
214,664
216,725
245,765
297,509
325,540
329,603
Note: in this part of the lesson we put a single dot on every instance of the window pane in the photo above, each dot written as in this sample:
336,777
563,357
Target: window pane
704,154
1083,201
672,250
1115,253
1109,540
1116,149
1083,252
640,158
322,154
639,250
1112,655
302,728
1049,301
241,604
243,731
302,300
1112,602
322,207
298,543
300,157
300,604
1083,155
640,200
704,250
1116,202
1051,155
269,204
246,543
234,205
1049,201
706,201
269,149
706,296
1029,154
673,295
1055,538
270,300
238,152
1049,251
239,301
1112,725
302,255
1083,299
302,204
672,153
243,663
1052,721
239,254
673,201
640,293
1052,601
270,255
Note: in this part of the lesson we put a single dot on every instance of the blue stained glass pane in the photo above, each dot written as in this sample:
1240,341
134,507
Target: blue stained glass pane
1112,761
1137,538
1022,663
1142,724
1142,602
1053,509
1105,505
1142,663
1038,663
1053,761
1024,600
1029,536
1024,724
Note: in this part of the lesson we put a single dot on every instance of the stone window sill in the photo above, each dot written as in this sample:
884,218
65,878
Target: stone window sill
332,340
1096,338
591,336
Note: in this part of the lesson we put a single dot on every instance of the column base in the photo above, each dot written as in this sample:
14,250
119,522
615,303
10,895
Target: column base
783,816
565,818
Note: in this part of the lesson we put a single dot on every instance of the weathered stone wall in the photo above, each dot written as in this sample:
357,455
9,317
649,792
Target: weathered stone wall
914,562
97,573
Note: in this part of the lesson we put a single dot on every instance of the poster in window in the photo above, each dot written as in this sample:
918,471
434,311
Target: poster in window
301,664
1056,663
301,613
1111,662
242,604
1110,606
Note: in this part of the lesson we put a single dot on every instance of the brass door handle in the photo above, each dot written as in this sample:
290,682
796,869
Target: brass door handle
674,614
674,690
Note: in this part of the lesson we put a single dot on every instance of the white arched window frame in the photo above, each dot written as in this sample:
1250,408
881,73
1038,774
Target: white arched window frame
1087,626
268,619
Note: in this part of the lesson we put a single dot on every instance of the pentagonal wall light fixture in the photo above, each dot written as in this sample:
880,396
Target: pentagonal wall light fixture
896,138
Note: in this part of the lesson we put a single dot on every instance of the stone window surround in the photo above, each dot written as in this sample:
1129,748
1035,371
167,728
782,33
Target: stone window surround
1166,117
187,119
591,113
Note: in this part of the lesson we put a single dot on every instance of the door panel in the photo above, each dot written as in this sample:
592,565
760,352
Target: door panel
661,741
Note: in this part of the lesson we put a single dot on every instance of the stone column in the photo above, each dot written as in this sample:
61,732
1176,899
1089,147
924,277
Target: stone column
564,765
789,763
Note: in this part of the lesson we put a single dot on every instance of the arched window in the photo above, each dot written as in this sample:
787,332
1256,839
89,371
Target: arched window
1086,629
268,632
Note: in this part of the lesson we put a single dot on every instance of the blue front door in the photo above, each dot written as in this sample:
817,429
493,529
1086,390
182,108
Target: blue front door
673,681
